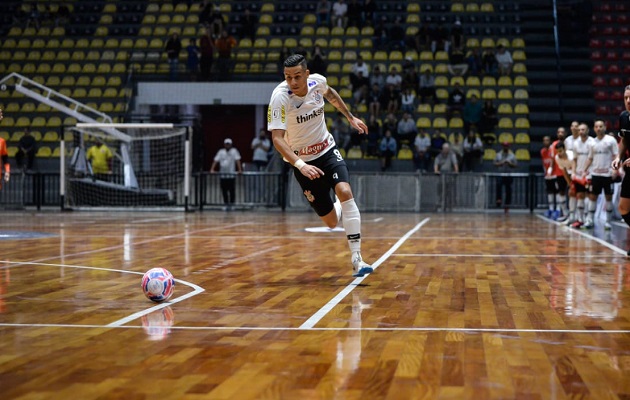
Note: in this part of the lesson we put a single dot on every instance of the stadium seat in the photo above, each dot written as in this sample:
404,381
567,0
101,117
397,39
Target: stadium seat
489,81
488,94
489,154
43,152
521,94
456,123
423,123
504,94
522,123
424,108
505,108
354,153
439,123
522,154
505,123
521,138
521,108
505,137
405,153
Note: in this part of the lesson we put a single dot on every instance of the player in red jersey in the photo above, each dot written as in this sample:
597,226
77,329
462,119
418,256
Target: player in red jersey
5,157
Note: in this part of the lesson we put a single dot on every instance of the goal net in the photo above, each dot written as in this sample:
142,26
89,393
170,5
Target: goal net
125,166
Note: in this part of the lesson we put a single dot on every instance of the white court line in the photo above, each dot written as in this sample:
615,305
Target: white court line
586,235
339,329
315,318
378,219
506,255
139,314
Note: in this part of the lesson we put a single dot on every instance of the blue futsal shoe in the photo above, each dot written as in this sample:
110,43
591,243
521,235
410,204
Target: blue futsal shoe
360,268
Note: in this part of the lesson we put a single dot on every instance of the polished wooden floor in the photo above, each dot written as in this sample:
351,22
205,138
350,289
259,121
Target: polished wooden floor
459,307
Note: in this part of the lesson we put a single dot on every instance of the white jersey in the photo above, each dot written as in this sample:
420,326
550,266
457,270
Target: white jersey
568,142
605,150
582,151
302,118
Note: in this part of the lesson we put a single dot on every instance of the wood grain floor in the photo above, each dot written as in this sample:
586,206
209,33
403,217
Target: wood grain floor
459,307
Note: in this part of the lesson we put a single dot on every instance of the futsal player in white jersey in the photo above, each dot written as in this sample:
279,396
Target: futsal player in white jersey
568,145
603,153
298,129
622,159
582,152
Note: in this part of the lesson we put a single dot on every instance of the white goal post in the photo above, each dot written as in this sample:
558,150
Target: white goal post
138,165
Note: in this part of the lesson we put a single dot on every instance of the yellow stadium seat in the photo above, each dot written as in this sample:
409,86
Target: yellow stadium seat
405,153
521,123
307,30
321,42
395,55
521,108
22,122
441,55
521,81
413,54
245,43
522,154
426,56
333,68
337,31
522,138
354,153
439,108
12,150
503,42
456,123
472,7
305,42
489,154
489,81
439,123
413,19
505,81
349,55
518,43
267,8
309,19
457,8
457,80
290,43
424,108
504,94
53,122
240,68
38,122
505,108
423,123
441,80
263,30
441,93
43,152
521,94
488,43
488,94
367,31
487,7
322,31
275,43
50,136
505,123
352,31
380,56
255,68
506,137
413,8
519,68
260,43
472,81
519,55
335,43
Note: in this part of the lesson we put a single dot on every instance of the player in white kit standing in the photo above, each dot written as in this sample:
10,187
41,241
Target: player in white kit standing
298,129
605,150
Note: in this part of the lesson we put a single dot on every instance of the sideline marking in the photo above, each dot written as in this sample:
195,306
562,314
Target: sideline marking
129,318
315,318
340,329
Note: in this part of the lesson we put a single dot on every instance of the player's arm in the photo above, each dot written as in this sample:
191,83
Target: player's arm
333,98
7,167
620,159
309,171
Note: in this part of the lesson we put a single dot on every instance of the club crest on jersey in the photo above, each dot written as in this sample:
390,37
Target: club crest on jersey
317,96
309,196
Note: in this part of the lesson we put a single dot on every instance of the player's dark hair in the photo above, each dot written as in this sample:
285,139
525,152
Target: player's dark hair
294,60
599,120
560,145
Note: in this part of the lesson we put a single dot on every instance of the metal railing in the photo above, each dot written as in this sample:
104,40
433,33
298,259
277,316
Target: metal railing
404,192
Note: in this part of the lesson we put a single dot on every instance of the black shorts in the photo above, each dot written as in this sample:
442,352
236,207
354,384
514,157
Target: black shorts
579,188
551,185
599,183
317,191
625,185
562,185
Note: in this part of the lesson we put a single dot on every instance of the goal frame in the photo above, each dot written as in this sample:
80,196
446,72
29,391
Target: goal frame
130,180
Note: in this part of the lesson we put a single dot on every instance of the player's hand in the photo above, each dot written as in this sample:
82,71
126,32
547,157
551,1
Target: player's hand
616,163
311,171
359,125
626,163
7,176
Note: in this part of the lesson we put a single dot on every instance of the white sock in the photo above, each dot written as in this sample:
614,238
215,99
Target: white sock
572,201
609,210
580,210
562,201
592,205
550,197
352,224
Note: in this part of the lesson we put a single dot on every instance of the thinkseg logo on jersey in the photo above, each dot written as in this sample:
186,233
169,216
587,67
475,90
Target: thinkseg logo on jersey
304,118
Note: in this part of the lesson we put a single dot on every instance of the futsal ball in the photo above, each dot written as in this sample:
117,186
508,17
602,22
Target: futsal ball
157,284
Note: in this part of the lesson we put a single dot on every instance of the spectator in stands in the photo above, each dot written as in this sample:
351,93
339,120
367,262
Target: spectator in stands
27,147
394,78
261,145
473,111
473,151
446,160
388,149
341,131
437,140
206,11
216,22
359,73
377,77
355,14
374,100
456,101
505,161
457,65
406,130
489,62
360,96
410,77
317,62
390,99
369,12
381,33
248,23
390,122
457,147
228,159
33,17
100,158
422,38
396,36
504,60
63,15
192,62
457,35
173,47
374,135
427,86
206,49
475,64
224,46
340,14
421,154
439,38
408,101
322,11
489,117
